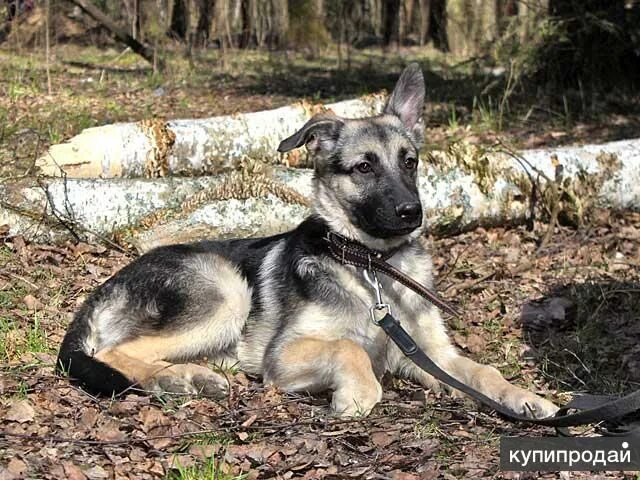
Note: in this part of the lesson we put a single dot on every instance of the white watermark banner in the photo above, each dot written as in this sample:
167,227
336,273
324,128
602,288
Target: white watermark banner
528,454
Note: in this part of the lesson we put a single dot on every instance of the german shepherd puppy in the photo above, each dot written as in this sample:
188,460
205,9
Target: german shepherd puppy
281,307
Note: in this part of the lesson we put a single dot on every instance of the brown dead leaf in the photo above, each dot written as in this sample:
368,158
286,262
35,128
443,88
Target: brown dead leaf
137,455
181,461
399,475
21,411
5,474
164,439
89,417
127,405
258,453
157,468
383,439
476,343
204,451
249,421
31,302
72,471
109,431
152,417
96,473
17,466
82,248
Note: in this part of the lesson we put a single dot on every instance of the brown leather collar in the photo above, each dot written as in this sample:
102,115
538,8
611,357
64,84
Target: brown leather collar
349,252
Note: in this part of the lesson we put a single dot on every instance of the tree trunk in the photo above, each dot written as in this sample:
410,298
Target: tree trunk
390,20
204,22
246,33
438,24
142,49
425,18
191,147
460,189
179,19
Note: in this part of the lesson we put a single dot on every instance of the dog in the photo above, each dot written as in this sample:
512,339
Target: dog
281,307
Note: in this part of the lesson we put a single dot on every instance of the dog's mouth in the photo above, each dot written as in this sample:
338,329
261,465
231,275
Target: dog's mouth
399,232
391,231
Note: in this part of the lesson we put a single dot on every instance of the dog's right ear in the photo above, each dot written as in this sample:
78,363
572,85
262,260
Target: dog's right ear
407,100
320,133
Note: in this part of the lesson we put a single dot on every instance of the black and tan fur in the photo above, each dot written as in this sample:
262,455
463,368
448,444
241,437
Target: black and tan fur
281,307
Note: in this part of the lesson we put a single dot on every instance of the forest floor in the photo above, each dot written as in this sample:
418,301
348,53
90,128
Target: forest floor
557,320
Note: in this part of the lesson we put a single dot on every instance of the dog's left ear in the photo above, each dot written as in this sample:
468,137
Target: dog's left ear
407,100
320,133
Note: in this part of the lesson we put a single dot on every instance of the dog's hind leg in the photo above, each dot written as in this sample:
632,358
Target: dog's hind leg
189,307
310,364
141,361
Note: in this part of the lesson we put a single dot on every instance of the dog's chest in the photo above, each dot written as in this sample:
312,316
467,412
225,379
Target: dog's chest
360,297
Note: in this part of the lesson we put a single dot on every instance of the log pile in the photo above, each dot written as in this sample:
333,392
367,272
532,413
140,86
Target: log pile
154,182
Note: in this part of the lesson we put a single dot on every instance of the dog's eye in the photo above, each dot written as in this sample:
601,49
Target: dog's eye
410,163
364,167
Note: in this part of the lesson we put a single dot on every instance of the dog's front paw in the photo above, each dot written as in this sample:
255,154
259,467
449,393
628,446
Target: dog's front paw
527,403
357,401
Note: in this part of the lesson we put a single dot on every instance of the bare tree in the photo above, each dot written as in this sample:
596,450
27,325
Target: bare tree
142,49
180,19
204,21
391,10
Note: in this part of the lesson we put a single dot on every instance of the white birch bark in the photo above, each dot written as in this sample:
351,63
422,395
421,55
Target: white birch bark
155,148
460,189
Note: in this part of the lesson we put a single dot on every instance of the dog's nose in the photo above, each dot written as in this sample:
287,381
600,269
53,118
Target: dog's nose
409,210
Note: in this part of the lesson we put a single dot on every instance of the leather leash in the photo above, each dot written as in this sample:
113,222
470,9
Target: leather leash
590,408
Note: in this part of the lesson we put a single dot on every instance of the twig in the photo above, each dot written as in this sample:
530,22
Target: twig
469,284
22,279
555,207
452,268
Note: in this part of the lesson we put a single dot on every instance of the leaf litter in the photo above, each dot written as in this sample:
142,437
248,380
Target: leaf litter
559,319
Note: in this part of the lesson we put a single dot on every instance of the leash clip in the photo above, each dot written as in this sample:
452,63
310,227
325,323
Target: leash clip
379,306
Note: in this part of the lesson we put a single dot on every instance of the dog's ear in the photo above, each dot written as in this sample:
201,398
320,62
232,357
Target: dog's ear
407,100
320,133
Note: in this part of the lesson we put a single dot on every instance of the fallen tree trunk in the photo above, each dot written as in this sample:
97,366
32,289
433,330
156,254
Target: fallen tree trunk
460,188
154,148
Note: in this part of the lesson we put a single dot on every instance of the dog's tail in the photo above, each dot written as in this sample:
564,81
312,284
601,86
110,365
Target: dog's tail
82,368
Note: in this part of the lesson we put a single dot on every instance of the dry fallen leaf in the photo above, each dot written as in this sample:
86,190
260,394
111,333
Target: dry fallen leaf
383,439
109,431
17,466
89,417
5,474
475,343
152,417
398,475
31,302
96,473
73,472
21,412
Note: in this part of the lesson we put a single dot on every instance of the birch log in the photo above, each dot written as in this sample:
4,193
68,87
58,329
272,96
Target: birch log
154,148
460,188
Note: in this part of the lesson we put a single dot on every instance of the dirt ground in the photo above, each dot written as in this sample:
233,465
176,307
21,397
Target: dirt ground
558,320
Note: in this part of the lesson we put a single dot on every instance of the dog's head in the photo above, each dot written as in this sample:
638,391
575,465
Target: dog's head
366,169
